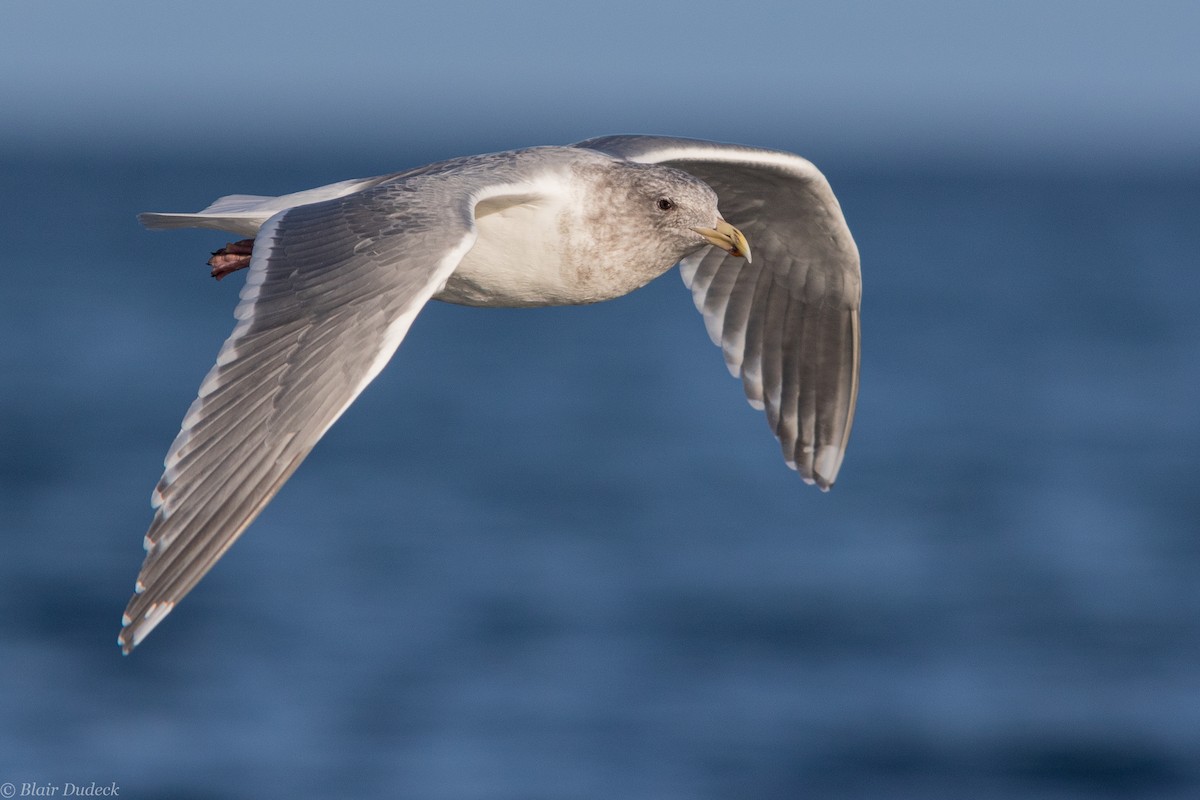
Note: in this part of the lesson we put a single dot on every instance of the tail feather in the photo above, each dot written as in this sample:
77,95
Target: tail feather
244,224
244,214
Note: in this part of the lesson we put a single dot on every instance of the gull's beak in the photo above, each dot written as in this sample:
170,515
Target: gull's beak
728,238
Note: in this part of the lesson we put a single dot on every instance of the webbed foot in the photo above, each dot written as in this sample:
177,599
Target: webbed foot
230,258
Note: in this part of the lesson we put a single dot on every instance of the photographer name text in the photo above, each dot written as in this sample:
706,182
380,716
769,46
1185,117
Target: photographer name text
68,789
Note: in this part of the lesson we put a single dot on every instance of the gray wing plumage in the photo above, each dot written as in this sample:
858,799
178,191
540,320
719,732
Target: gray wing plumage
789,322
331,292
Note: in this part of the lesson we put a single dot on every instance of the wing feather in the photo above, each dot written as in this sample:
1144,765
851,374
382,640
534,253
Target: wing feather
320,314
789,322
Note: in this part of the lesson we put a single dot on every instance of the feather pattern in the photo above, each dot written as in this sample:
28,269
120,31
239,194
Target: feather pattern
787,323
319,315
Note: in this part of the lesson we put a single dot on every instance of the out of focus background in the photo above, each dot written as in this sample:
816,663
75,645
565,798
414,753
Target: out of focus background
553,553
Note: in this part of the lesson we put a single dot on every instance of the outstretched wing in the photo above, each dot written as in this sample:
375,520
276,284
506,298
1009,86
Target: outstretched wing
332,289
788,322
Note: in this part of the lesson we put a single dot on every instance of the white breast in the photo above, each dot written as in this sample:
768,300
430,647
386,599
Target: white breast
526,254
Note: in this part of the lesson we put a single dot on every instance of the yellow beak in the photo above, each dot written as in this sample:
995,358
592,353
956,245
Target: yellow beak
728,238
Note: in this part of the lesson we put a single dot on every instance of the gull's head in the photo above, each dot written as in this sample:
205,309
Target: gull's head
678,212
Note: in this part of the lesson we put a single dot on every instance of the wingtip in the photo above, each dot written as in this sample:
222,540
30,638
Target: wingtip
133,631
820,481
828,462
124,638
813,478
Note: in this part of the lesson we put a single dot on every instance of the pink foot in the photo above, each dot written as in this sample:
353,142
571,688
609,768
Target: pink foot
230,258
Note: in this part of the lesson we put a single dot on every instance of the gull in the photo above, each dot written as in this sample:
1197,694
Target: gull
337,274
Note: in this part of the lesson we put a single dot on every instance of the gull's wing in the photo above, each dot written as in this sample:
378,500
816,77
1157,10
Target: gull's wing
788,322
332,289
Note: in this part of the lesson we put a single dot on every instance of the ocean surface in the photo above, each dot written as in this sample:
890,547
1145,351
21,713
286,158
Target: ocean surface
553,554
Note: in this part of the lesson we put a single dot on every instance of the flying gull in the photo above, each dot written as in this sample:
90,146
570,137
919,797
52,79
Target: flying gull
337,274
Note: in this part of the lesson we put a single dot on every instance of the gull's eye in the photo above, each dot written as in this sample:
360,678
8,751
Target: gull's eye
665,204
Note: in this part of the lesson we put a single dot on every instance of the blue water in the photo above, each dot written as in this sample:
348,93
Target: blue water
553,553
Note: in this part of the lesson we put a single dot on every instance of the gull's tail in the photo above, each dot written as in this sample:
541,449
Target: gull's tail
245,213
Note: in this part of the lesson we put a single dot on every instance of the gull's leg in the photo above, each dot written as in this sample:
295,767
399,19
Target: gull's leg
230,258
